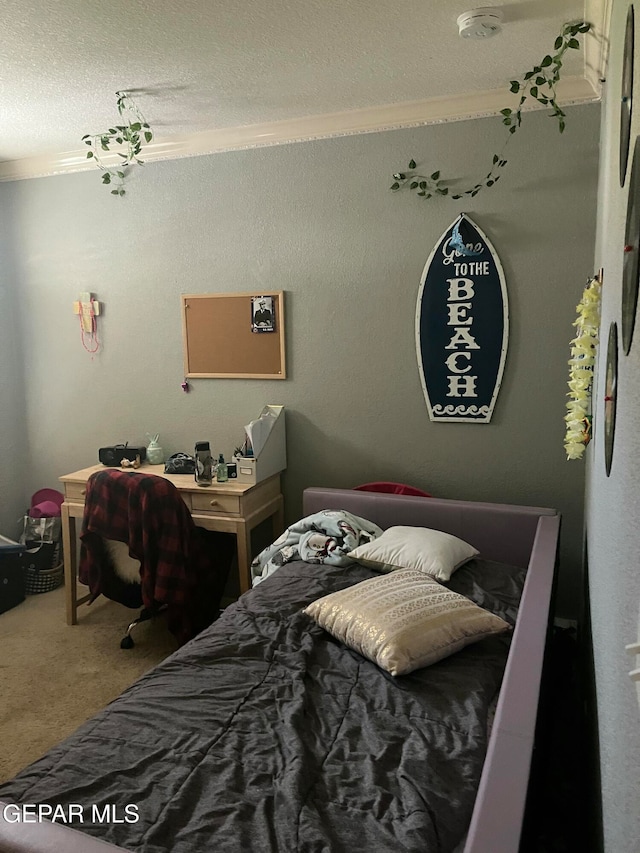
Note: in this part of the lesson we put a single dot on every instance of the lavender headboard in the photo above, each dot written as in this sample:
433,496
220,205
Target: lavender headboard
501,532
521,536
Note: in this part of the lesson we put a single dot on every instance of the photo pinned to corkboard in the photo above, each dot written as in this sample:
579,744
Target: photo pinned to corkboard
263,318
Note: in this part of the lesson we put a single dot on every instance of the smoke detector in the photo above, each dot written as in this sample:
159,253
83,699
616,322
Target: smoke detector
480,23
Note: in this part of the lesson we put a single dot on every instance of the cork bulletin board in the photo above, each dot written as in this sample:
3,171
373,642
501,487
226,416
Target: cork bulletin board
219,341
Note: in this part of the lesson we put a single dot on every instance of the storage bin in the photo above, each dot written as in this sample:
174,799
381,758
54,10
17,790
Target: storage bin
12,574
42,574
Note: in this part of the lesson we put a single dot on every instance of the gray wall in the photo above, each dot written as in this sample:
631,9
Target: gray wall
613,503
13,448
318,221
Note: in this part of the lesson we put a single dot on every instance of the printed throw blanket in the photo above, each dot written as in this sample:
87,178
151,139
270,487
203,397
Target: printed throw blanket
324,537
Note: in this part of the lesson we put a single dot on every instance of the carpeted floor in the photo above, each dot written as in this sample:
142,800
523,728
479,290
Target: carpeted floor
54,677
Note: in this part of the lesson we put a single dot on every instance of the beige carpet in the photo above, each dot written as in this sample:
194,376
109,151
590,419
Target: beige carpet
53,677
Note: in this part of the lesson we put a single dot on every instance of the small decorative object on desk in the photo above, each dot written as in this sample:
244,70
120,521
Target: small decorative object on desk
155,454
127,463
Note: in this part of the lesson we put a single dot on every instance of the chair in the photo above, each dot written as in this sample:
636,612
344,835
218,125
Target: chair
140,547
392,488
121,583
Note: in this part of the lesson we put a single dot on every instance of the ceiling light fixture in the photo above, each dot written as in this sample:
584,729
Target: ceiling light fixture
480,23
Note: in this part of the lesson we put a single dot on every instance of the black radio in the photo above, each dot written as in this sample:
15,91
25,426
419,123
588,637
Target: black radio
113,456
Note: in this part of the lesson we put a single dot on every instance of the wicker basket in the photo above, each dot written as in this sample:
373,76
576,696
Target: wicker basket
43,580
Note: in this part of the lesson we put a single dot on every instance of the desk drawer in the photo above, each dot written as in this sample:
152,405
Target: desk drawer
215,503
75,491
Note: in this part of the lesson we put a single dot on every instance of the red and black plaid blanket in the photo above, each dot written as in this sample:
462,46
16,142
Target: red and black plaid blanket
181,565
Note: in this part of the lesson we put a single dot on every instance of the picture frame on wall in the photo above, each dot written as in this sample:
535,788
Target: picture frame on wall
626,94
631,259
610,396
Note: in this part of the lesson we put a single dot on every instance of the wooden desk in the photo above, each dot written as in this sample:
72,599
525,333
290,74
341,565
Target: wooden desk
226,507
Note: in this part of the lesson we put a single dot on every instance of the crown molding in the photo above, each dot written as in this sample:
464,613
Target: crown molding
571,91
596,44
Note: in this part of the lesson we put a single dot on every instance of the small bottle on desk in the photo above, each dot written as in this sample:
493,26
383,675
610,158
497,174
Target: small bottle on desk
221,471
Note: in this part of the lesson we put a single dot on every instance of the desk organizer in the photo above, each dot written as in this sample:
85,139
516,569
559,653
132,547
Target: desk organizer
271,457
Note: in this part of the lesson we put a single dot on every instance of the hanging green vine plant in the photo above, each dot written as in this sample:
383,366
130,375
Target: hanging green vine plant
126,140
539,84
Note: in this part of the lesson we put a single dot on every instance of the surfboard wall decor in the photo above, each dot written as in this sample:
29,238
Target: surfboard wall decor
462,326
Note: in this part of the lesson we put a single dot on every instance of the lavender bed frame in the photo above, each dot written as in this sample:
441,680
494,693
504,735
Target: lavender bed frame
518,535
525,536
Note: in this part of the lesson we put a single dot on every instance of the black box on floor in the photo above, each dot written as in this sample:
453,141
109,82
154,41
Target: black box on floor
12,574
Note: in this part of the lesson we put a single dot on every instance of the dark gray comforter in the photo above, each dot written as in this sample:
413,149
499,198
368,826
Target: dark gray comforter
265,734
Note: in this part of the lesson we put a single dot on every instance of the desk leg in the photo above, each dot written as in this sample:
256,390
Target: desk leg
70,564
243,540
277,519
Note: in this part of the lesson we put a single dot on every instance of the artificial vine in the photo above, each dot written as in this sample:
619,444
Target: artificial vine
126,140
539,84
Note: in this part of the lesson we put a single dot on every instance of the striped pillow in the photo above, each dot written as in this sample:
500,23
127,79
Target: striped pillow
404,620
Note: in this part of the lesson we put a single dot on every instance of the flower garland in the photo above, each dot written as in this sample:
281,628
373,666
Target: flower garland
583,352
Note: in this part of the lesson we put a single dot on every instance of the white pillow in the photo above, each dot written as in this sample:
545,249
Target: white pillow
429,551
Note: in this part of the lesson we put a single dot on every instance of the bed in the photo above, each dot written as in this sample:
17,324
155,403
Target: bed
265,733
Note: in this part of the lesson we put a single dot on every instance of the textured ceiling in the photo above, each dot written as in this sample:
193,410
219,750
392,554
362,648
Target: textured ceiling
201,65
